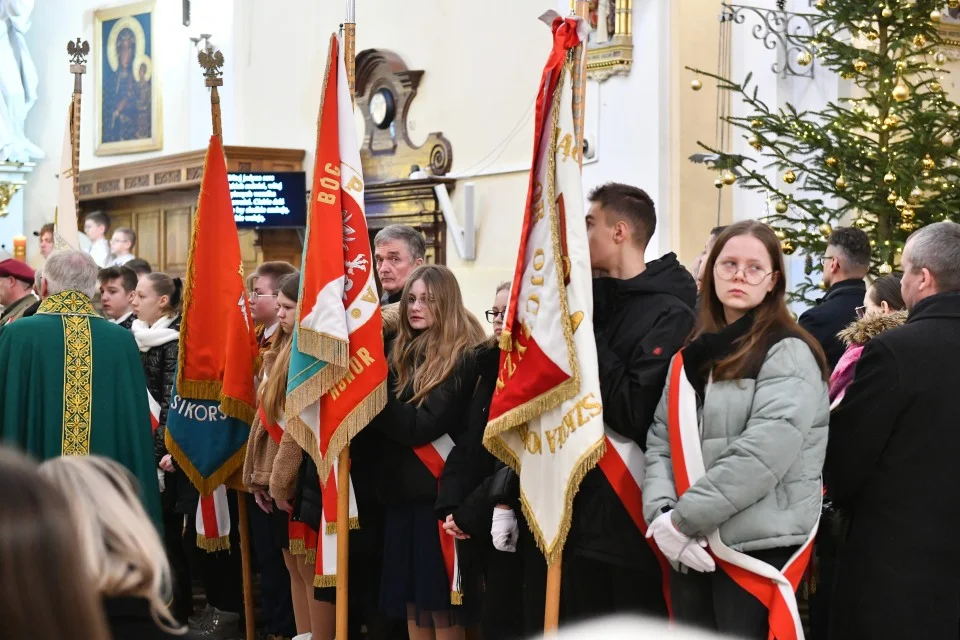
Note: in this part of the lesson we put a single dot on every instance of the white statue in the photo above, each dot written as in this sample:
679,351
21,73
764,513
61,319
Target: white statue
18,82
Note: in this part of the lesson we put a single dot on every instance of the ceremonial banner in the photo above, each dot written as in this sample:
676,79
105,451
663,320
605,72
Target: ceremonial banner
775,587
546,417
65,224
214,398
338,372
325,569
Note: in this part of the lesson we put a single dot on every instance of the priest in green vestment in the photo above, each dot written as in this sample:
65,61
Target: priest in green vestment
71,382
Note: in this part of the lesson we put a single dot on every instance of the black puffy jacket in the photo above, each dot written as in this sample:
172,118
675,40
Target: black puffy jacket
160,369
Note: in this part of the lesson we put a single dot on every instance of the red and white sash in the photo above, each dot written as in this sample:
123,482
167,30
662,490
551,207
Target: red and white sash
154,411
434,456
213,521
326,561
624,465
776,589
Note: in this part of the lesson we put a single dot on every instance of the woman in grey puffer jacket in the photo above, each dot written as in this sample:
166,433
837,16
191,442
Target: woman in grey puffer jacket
737,445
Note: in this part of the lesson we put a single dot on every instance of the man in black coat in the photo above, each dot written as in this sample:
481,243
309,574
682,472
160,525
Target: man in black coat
845,264
892,461
643,313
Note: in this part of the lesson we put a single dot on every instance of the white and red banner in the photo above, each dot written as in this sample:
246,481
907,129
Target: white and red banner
338,372
434,456
213,521
775,587
546,417
326,562
65,224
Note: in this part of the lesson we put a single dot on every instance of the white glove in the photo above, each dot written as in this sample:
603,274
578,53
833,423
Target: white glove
678,547
504,530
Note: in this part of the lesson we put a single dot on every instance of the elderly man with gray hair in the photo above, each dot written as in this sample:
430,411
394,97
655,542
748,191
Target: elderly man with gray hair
892,461
72,383
398,250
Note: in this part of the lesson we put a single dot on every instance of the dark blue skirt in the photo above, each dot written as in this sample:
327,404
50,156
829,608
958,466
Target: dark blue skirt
414,581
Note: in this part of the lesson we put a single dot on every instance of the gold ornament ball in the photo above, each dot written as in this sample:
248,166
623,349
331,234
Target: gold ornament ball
696,85
928,163
728,177
831,162
756,123
935,15
860,65
841,183
901,92
780,207
754,142
804,58
887,12
789,177
947,140
885,269
872,36
908,214
822,286
891,197
890,178
907,226
940,58
900,204
919,40
953,4
861,223
825,230
935,87
780,234
821,4
718,183
787,247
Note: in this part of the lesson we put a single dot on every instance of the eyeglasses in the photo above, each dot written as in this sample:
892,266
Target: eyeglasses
254,297
494,314
753,274
861,312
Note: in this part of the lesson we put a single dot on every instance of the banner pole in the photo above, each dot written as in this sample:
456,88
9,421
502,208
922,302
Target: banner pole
78,50
343,463
551,613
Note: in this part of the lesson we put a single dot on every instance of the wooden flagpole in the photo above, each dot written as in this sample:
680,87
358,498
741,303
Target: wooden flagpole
212,63
551,613
343,462
78,51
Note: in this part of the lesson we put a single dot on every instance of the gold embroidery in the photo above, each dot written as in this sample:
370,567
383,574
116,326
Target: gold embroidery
67,302
77,381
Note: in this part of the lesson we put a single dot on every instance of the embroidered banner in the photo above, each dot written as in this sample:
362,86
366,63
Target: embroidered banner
546,417
338,372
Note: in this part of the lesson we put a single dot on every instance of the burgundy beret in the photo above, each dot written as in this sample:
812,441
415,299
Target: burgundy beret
16,269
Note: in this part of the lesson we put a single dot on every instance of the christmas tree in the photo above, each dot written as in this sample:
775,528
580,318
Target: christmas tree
883,160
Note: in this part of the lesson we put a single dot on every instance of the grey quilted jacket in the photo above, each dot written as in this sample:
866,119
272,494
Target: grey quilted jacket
764,443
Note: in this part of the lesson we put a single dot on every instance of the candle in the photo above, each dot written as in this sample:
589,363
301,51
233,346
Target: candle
20,248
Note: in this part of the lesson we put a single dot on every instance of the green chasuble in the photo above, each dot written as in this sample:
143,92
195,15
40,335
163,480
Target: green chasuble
71,383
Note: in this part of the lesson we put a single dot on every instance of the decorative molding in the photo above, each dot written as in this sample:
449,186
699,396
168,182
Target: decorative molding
179,171
388,153
783,31
614,56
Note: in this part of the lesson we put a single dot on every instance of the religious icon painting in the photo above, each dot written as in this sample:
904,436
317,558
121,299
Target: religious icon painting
127,87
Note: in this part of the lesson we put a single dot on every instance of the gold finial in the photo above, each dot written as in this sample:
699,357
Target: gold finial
212,63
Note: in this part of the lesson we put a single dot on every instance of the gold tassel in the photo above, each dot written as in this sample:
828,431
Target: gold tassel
311,556
205,486
332,350
323,582
352,424
212,545
354,525
298,547
456,598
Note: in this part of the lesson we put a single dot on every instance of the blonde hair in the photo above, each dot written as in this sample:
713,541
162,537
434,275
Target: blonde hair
119,544
424,360
273,389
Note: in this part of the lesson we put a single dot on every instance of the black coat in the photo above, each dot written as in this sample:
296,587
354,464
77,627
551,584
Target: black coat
402,477
834,313
130,619
892,468
639,325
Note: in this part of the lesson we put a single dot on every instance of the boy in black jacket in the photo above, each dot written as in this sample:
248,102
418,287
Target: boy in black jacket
643,314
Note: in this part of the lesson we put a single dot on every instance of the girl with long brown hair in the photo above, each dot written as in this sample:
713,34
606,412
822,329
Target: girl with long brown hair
736,449
432,378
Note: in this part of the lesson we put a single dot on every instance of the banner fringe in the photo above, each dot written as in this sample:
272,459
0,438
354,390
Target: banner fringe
332,350
532,408
456,598
352,424
235,408
213,545
205,486
310,391
311,556
304,437
323,582
191,388
298,547
354,525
